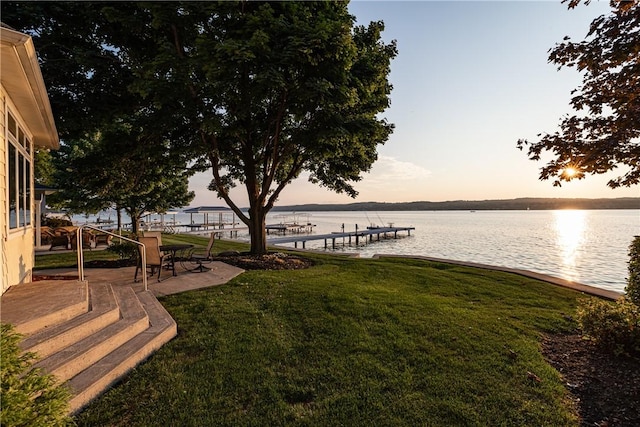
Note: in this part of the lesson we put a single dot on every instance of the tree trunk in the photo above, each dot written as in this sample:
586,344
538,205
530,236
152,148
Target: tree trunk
257,231
135,215
119,216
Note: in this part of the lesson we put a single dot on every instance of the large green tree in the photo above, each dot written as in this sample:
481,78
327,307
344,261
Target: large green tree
116,150
121,168
262,91
87,79
272,89
604,131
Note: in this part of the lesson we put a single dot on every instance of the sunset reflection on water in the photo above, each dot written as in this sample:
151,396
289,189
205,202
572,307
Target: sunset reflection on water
570,226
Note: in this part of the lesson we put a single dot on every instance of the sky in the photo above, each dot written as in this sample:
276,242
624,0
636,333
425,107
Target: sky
470,79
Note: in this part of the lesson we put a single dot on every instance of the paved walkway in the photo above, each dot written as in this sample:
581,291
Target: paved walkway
219,274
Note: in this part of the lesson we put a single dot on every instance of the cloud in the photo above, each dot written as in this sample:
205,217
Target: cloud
389,171
389,180
393,180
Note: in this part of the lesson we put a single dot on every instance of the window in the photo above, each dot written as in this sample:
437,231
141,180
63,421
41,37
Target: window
19,176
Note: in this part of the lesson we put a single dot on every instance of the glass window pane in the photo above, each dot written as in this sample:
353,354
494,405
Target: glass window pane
21,191
12,125
13,188
27,192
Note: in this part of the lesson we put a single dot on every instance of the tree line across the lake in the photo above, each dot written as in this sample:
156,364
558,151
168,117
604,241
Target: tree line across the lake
526,203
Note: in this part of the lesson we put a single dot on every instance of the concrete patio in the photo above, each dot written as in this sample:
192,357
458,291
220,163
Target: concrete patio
219,274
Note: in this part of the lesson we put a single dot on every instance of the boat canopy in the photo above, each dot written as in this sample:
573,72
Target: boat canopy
207,209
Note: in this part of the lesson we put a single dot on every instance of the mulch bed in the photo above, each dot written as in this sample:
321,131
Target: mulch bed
246,261
605,388
117,263
270,261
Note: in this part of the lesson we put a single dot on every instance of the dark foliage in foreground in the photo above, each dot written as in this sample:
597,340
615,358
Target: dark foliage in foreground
603,131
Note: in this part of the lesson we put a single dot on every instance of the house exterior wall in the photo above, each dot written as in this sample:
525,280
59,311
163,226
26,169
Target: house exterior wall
26,121
4,278
18,250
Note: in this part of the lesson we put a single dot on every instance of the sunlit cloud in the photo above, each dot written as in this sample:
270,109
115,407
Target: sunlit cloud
388,171
393,180
389,180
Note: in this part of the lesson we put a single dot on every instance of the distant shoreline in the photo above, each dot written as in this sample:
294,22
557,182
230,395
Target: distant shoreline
459,205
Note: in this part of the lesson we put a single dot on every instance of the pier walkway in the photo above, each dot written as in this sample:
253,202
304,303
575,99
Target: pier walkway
366,235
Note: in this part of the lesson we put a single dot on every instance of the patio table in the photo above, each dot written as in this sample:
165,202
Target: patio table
173,250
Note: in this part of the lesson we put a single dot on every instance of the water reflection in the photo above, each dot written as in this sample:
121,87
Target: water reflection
570,228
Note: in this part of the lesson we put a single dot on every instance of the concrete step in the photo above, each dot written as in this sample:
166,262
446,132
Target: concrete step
103,311
71,360
87,334
94,380
35,306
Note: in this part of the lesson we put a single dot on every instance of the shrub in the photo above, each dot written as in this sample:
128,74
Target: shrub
29,397
612,325
633,282
55,222
616,325
125,250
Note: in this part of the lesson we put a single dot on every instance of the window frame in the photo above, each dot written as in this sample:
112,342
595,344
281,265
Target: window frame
19,180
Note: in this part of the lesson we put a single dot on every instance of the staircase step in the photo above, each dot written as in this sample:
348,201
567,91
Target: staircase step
50,302
103,311
71,360
94,380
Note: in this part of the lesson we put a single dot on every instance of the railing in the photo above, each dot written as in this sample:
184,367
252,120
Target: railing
81,254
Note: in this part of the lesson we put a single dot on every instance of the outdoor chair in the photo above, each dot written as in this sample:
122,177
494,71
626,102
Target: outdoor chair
60,237
46,235
87,239
154,256
157,234
201,259
102,239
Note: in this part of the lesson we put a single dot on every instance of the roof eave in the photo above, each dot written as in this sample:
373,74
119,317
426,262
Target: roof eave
26,87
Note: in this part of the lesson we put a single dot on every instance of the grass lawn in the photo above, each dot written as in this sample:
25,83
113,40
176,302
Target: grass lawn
352,342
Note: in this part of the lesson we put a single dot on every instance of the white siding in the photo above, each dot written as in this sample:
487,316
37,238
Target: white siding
4,279
18,253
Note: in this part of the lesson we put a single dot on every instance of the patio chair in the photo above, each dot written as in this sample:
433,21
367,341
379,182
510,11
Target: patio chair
102,239
201,259
157,234
46,234
154,256
60,237
87,240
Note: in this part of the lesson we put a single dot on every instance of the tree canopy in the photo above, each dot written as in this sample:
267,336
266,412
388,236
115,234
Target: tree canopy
257,92
271,89
120,169
604,131
115,151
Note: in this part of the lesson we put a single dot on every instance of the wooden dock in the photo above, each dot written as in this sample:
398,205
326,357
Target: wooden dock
233,232
206,226
285,228
367,235
295,223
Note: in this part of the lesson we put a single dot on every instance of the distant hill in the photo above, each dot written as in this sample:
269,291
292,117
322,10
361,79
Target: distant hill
457,205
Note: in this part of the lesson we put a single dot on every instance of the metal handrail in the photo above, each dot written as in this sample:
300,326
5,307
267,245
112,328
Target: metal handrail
81,254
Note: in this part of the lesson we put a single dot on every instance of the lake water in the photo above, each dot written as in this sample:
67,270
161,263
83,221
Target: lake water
586,246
